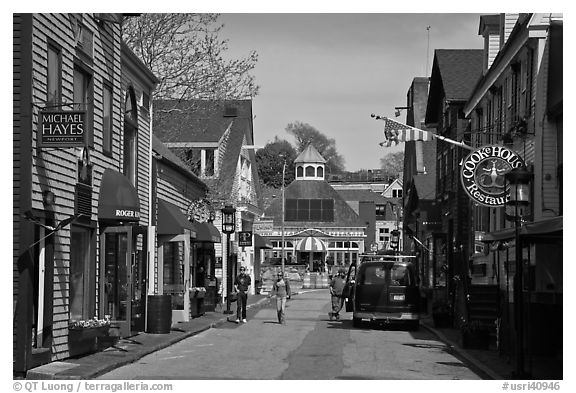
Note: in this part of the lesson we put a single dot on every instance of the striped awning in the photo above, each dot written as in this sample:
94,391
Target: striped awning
311,244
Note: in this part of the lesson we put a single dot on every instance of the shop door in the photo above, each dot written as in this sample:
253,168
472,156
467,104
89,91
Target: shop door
123,278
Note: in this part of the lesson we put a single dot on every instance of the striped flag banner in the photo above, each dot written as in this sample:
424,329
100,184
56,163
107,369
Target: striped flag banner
396,132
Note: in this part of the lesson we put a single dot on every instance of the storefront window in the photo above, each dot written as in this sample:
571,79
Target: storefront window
80,296
173,270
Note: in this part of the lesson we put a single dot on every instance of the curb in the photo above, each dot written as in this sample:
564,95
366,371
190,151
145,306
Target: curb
462,353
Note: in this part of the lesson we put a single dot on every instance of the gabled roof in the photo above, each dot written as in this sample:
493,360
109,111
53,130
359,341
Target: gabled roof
198,120
310,155
163,153
344,215
223,123
455,73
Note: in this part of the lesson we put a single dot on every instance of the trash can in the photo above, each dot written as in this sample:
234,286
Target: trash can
258,286
159,316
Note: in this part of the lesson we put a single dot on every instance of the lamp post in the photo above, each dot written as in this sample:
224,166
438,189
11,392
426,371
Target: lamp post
518,183
395,239
283,211
228,227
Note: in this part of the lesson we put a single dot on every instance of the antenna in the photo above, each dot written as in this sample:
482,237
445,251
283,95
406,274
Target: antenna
427,49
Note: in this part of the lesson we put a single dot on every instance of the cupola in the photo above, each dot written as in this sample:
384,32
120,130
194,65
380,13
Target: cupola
310,165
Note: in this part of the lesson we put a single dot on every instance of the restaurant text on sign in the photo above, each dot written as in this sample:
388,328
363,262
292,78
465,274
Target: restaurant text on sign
482,174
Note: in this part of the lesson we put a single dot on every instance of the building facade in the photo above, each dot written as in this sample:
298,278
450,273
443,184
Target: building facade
455,72
215,139
518,104
81,157
319,229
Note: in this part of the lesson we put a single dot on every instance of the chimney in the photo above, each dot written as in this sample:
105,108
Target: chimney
490,30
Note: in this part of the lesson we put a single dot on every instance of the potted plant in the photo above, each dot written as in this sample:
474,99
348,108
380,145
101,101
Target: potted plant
474,335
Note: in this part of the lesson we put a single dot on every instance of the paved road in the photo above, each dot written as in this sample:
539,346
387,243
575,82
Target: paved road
309,346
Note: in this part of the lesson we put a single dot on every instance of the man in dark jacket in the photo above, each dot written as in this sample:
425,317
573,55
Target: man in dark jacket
242,285
336,290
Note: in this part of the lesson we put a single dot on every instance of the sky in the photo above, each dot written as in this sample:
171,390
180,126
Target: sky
333,71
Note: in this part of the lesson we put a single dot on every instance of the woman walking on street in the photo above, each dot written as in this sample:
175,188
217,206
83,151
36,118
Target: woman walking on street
281,289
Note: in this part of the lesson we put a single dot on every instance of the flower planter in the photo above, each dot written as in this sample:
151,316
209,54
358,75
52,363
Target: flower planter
80,334
85,340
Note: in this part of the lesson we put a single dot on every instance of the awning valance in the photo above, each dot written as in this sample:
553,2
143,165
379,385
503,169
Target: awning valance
548,228
118,199
311,244
261,242
207,232
171,220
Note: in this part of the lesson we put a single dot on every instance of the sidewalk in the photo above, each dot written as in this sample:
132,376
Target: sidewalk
488,363
129,350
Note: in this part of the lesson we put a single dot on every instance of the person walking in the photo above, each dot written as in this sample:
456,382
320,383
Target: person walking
241,286
336,290
281,289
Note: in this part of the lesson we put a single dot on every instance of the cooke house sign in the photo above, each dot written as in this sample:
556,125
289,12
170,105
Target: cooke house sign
482,174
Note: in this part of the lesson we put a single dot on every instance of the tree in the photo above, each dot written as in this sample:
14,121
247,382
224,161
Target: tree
392,164
306,134
185,53
270,163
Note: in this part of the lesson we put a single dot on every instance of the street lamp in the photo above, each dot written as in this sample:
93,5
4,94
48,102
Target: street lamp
395,239
228,227
518,182
283,211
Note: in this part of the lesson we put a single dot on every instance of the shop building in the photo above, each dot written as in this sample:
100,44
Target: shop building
454,75
422,225
215,139
185,236
517,104
81,156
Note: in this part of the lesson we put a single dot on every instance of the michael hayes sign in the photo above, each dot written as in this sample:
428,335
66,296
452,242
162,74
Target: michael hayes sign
62,128
482,174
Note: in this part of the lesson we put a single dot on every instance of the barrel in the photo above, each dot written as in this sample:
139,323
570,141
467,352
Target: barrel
306,284
159,316
322,281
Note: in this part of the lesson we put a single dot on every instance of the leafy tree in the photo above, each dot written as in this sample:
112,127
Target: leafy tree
392,164
270,163
185,52
305,134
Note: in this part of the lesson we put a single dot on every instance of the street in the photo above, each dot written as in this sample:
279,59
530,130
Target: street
308,347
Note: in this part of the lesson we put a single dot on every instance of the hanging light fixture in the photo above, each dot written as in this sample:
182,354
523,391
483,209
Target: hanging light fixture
517,207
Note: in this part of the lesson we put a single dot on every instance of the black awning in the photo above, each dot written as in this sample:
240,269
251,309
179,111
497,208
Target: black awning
118,199
171,220
261,242
207,232
548,228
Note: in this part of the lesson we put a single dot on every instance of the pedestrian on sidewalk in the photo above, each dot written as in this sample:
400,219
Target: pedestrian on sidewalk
336,290
281,289
241,286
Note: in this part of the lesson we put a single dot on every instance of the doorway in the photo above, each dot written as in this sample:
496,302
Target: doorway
123,275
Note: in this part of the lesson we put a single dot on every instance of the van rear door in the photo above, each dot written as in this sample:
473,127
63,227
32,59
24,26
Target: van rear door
371,287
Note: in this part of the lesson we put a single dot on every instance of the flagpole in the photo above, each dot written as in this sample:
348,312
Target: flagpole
462,144
442,138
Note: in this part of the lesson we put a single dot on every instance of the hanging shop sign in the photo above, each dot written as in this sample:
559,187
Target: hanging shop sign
62,128
482,174
245,239
200,210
